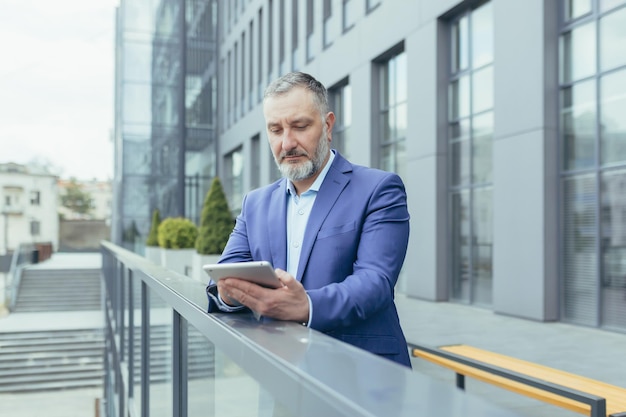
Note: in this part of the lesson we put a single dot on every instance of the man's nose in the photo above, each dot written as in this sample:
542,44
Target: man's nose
289,140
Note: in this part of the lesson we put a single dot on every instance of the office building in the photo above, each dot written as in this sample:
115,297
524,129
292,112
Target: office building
503,117
164,113
29,206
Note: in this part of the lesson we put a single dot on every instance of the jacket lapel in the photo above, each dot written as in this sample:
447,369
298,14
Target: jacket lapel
277,226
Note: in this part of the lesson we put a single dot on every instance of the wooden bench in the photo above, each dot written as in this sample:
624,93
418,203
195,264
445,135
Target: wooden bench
573,392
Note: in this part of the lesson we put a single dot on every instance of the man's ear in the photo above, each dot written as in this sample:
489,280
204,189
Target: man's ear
330,122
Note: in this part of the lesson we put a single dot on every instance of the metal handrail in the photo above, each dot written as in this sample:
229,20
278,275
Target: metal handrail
20,258
310,372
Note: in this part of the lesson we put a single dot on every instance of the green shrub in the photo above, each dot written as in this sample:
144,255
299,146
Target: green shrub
177,233
216,221
153,235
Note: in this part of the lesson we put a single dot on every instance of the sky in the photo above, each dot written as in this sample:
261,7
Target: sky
56,85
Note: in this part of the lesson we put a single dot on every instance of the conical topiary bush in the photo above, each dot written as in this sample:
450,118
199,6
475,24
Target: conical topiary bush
152,251
216,221
153,235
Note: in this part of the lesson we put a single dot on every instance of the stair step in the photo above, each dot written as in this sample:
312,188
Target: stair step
50,362
51,386
51,349
67,369
35,309
45,334
49,338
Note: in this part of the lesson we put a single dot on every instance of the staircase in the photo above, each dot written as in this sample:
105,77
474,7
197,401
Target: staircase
45,290
58,353
50,360
44,360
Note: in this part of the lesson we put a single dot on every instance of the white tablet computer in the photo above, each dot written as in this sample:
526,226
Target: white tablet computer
259,272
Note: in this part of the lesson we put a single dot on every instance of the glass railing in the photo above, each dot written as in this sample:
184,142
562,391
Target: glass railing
165,356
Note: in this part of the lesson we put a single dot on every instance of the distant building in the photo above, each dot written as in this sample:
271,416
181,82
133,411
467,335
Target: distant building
28,206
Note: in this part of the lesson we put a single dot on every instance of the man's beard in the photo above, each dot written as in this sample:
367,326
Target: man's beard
308,168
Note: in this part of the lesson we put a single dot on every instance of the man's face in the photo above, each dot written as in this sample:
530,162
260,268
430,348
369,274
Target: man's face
299,140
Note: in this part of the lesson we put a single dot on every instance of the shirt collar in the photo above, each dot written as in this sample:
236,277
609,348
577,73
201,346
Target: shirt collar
290,189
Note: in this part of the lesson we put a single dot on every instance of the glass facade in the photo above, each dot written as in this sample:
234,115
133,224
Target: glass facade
470,137
593,173
392,114
165,112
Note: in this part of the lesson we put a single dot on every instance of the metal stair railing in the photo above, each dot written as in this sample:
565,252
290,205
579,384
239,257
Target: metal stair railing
22,257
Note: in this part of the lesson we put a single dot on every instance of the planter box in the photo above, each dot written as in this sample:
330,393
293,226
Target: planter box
153,253
199,260
178,260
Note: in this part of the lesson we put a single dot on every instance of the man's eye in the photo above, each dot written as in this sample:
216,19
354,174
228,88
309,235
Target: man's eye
301,127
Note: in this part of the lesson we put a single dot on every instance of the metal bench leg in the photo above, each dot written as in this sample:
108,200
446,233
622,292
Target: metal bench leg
598,408
460,381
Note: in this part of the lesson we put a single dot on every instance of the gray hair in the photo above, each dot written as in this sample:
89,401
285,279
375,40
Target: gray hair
291,80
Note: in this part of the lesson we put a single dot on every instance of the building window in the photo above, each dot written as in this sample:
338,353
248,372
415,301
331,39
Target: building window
270,41
234,79
392,115
255,161
281,38
370,5
470,137
274,171
295,46
242,91
310,25
35,228
349,14
233,179
251,68
260,57
593,162
330,25
228,81
35,198
340,98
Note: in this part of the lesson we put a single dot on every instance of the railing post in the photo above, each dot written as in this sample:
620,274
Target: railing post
131,336
122,317
460,381
145,351
179,365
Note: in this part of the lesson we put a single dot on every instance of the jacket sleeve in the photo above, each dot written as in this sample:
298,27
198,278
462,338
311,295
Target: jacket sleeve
368,286
216,304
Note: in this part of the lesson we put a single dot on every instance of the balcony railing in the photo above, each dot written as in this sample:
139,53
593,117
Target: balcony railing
165,356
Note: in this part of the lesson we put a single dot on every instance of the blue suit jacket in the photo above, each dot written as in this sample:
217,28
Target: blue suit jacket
353,249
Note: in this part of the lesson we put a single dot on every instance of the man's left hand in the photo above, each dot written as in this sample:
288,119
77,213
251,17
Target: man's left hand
289,302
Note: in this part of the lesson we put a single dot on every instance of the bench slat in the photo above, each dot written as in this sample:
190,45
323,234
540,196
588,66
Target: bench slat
615,396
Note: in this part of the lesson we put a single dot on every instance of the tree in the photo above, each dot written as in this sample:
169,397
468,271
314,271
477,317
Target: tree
75,199
153,235
216,221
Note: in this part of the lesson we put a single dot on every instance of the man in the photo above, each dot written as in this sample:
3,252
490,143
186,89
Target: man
336,233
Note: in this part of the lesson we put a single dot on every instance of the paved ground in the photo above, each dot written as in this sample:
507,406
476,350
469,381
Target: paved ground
590,352
593,353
